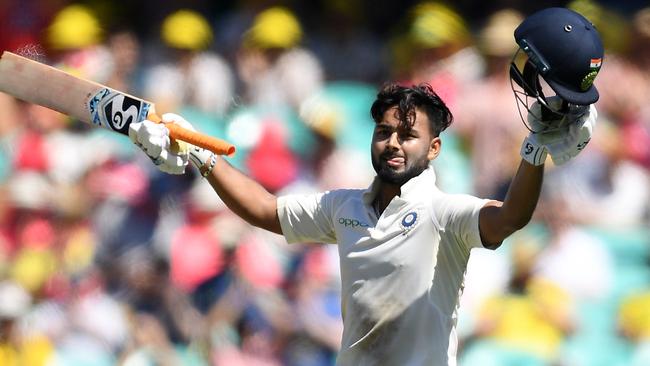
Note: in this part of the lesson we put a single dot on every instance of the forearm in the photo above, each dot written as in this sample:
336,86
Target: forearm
244,196
523,194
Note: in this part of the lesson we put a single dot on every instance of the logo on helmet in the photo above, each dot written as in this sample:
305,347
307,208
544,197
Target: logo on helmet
595,63
588,80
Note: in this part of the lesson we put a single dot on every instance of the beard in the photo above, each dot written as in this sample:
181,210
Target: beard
389,175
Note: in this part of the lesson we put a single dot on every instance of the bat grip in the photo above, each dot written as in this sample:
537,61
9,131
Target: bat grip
217,146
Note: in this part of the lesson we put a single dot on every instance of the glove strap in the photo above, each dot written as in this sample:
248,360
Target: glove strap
203,159
533,152
207,168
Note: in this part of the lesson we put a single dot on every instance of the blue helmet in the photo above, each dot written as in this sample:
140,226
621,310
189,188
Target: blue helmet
565,49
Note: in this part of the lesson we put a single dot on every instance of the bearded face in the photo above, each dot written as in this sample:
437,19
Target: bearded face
401,151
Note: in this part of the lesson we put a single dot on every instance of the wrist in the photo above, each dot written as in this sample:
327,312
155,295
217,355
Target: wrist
207,168
533,152
203,160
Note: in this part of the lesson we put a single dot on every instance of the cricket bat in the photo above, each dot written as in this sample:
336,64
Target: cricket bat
87,101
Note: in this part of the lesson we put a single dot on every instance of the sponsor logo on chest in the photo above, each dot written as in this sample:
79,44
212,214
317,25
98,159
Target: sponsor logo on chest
351,223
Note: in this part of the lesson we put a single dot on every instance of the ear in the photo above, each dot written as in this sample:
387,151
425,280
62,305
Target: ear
434,148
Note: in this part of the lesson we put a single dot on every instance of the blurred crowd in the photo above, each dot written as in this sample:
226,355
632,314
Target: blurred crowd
105,260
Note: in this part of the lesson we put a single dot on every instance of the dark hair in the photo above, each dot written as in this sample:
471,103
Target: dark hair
408,100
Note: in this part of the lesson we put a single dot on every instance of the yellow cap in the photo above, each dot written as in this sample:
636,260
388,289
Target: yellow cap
589,9
75,26
435,25
187,30
32,267
642,22
613,28
275,27
495,38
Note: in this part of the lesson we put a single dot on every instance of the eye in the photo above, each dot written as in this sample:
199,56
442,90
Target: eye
382,132
408,135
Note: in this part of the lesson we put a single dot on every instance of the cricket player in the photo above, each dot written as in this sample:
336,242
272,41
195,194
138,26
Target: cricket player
404,244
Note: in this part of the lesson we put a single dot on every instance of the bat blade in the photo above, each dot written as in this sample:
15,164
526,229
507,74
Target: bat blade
86,100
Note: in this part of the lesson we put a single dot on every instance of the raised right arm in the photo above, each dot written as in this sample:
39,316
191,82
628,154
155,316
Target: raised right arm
244,196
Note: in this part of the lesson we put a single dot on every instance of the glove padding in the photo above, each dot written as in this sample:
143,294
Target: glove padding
197,156
153,139
562,139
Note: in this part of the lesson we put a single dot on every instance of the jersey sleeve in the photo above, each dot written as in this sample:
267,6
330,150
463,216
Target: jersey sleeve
307,218
459,217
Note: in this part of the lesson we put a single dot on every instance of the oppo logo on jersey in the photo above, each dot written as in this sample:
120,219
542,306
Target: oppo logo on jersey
351,222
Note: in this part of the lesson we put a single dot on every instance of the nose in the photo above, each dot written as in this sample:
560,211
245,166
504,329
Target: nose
393,142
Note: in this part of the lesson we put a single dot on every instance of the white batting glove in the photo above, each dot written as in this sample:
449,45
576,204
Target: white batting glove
201,158
533,151
563,139
153,139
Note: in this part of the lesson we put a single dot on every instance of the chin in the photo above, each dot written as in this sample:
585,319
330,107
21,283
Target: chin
390,175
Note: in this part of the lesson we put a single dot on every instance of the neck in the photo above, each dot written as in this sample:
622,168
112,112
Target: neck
384,196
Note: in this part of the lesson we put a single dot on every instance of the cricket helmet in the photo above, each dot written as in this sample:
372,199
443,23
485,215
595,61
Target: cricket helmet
565,50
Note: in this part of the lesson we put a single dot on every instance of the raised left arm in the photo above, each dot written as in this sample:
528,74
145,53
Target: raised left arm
563,140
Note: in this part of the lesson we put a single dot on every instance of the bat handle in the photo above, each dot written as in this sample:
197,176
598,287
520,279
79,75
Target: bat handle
217,146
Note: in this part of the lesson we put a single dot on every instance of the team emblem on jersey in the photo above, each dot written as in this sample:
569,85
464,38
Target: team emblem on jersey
409,220
116,111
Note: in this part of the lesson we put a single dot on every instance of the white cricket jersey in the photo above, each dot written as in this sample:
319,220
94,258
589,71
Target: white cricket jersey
401,274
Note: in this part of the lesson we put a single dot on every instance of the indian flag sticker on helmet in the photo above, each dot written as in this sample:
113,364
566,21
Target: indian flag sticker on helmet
595,63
